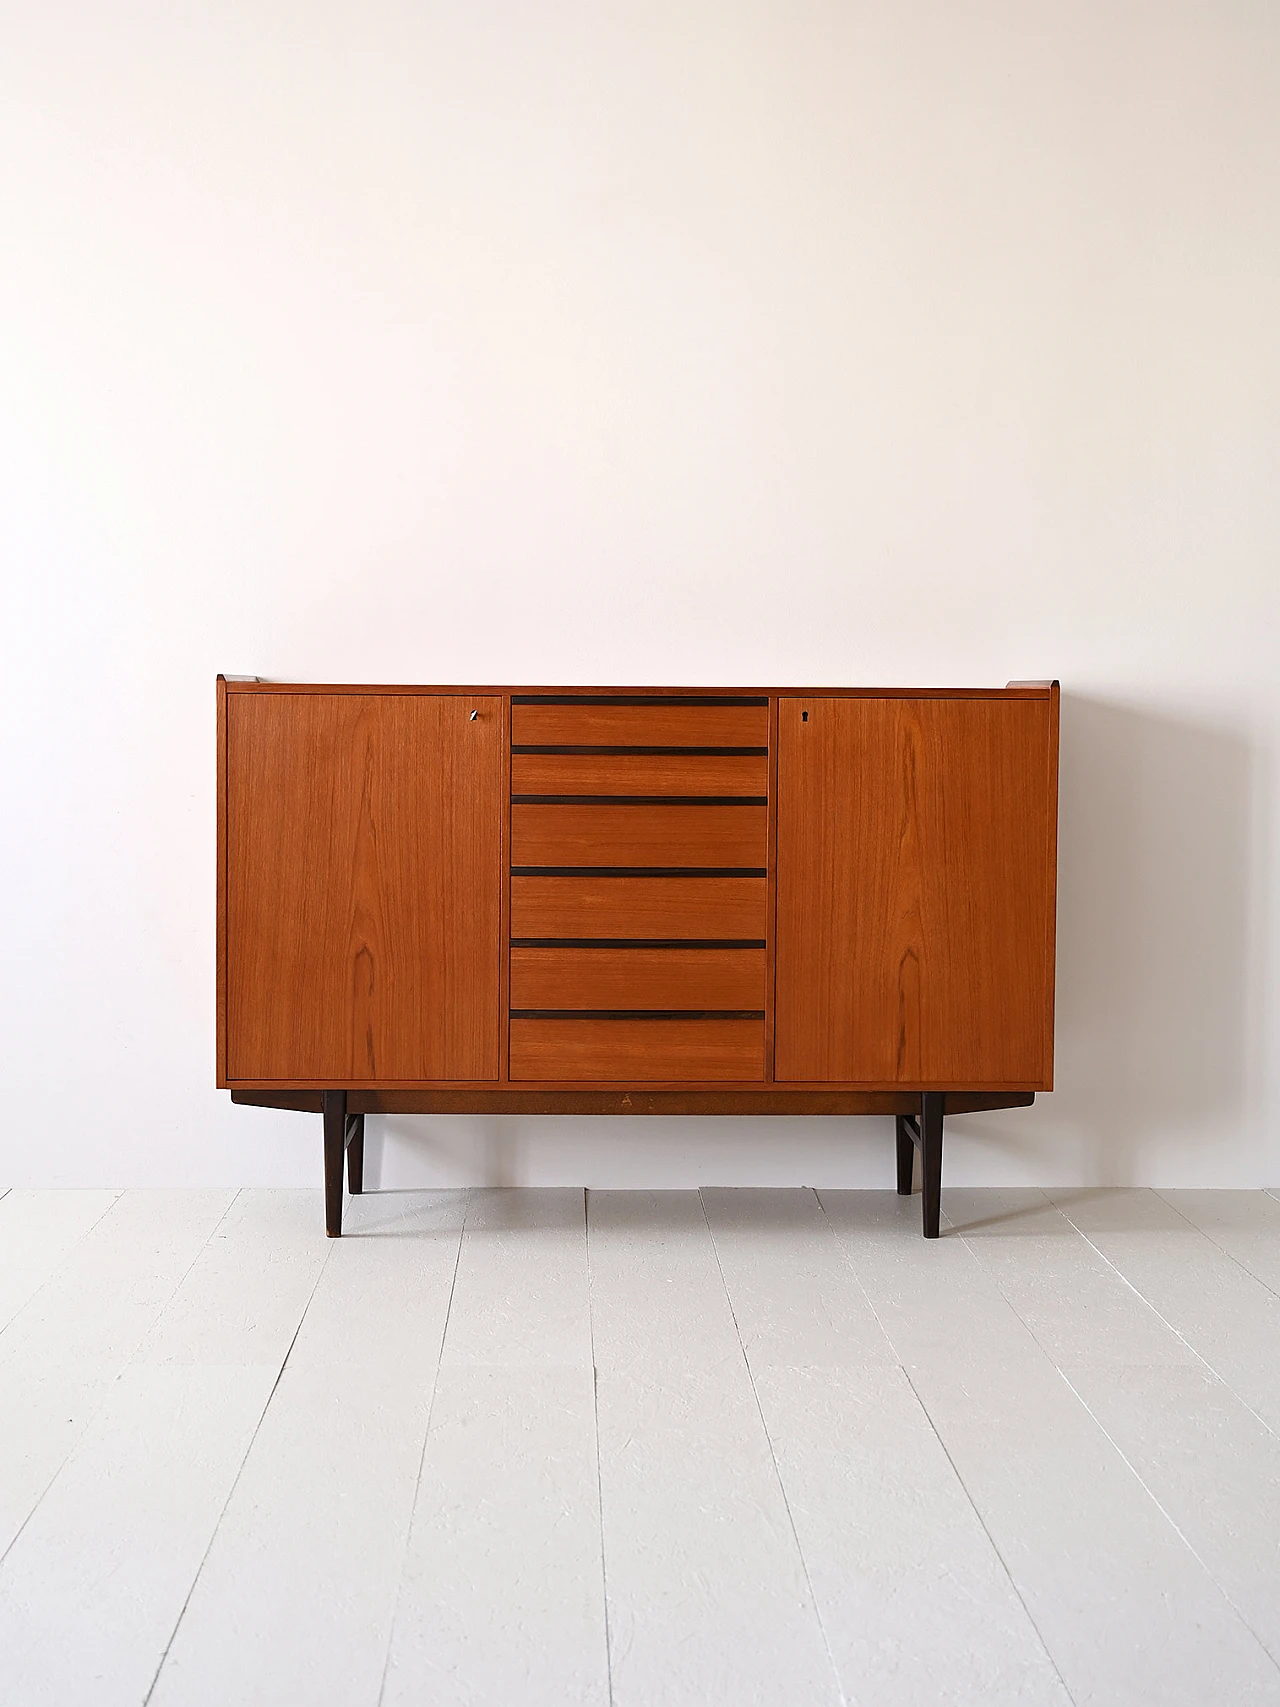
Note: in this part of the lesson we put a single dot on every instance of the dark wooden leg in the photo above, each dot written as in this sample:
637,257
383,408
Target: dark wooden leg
906,1155
355,1154
932,1104
335,1142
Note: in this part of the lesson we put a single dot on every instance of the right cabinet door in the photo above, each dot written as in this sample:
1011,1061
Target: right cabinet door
915,891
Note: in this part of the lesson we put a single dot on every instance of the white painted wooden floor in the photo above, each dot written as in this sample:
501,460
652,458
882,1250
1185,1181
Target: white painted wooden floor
515,1447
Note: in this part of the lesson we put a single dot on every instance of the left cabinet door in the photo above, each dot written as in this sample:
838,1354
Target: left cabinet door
363,884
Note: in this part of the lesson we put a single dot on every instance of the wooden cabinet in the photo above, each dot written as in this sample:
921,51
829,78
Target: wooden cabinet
579,901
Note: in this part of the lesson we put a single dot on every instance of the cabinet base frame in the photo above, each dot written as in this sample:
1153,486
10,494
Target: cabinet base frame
918,1120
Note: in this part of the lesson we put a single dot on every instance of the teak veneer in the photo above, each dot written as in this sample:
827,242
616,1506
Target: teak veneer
615,901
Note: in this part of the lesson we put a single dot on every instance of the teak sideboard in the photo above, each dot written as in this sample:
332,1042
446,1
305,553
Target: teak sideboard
659,901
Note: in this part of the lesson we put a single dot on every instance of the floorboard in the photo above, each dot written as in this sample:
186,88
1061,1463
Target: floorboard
884,1524
795,1300
1209,1462
75,1336
38,1229
1226,1315
1093,1557
91,1590
635,1449
709,1600
1245,1224
502,1598
334,1467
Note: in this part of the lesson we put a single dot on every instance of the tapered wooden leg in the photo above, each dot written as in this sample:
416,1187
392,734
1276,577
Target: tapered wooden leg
355,1154
932,1104
906,1155
335,1142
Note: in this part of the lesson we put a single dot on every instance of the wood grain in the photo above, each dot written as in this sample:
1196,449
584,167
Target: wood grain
679,836
637,1051
914,890
364,873
655,725
640,773
663,978
651,908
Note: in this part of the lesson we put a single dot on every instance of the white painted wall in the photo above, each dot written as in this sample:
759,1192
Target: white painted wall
786,341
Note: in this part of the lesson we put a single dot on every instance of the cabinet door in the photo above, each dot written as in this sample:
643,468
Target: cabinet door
915,890
363,886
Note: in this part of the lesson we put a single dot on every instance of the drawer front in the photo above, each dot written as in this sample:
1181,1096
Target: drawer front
673,836
652,909
637,1051
655,723
662,978
696,774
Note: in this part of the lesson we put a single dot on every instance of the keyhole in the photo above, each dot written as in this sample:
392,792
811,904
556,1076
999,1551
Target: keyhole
473,717
804,716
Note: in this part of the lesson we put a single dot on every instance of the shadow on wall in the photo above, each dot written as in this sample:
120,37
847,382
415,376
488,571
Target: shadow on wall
1159,945
1159,999
453,1150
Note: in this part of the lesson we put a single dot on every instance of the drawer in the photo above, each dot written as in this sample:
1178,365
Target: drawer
654,909
640,773
637,1051
695,978
654,723
679,836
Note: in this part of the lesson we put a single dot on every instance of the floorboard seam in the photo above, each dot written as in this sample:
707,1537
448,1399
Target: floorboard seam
773,1459
1161,1317
854,1276
595,1418
955,1469
235,1481
1045,1649
1123,1455
65,1257
127,1363
422,1456
1217,1243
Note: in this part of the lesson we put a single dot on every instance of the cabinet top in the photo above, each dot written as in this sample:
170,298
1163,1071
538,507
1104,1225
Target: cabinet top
620,694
